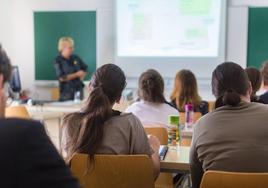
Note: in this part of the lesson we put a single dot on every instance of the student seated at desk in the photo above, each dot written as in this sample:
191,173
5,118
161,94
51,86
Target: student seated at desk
233,137
98,129
185,92
152,108
28,157
255,79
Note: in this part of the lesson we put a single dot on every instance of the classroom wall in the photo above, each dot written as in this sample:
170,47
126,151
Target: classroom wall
17,34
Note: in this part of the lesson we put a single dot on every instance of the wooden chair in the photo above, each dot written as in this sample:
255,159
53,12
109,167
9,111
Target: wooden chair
17,112
55,93
160,132
211,105
197,116
165,180
212,179
109,171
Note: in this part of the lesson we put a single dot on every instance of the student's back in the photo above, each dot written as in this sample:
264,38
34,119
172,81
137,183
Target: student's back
29,159
234,136
152,114
98,129
152,108
185,91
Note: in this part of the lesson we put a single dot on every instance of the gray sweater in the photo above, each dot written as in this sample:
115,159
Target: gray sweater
231,139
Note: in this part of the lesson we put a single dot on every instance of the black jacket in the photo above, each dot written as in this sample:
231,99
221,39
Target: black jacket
63,67
28,158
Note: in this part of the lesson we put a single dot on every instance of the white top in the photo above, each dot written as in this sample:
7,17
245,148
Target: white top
152,114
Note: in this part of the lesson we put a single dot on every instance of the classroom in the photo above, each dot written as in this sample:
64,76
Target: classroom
134,93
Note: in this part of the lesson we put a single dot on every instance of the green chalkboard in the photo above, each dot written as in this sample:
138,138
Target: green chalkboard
257,37
50,26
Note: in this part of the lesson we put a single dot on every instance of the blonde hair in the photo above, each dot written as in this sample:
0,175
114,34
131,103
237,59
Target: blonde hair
187,92
63,41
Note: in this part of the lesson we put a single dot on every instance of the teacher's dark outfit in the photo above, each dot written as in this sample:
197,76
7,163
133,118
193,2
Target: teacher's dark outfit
29,159
64,67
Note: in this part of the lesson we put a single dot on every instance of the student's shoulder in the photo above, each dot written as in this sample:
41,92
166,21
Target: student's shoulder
133,106
171,107
14,126
18,122
127,119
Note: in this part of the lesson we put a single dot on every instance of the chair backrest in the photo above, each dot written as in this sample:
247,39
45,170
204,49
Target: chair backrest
55,93
17,112
160,132
211,105
212,179
197,116
110,171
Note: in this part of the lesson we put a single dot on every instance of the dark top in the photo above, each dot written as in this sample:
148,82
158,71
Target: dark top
63,67
263,98
202,108
29,159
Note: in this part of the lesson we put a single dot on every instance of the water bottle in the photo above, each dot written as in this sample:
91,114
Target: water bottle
189,116
77,97
173,130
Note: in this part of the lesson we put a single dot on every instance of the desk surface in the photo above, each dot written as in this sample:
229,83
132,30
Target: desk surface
176,160
187,132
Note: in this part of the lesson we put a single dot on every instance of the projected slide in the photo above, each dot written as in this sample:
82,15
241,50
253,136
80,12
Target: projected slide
168,28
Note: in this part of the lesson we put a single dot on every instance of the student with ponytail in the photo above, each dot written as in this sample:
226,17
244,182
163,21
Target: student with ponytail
234,136
98,129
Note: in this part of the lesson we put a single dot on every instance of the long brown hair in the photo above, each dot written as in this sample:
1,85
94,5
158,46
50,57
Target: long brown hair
229,83
5,65
151,87
255,78
85,129
185,90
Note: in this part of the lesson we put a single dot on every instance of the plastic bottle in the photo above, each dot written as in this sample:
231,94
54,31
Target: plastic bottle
174,130
189,116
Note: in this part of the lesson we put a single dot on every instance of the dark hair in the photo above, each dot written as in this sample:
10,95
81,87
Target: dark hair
264,72
5,65
185,90
229,83
255,78
151,87
85,130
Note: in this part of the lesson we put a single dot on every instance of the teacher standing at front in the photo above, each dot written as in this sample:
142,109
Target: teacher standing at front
70,70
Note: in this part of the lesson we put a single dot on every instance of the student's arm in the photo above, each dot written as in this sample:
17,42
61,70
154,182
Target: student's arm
195,165
40,165
155,145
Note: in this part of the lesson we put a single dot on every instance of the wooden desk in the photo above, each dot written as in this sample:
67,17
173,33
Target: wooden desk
176,160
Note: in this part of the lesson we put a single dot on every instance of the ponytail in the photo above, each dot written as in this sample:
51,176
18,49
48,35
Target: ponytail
229,83
85,129
230,98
